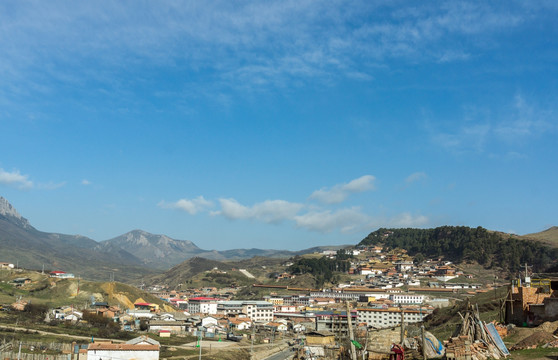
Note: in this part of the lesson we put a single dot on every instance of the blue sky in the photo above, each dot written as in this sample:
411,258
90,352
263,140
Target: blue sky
280,124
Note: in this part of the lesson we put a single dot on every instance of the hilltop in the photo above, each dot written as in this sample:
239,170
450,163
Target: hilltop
465,244
57,292
198,271
548,236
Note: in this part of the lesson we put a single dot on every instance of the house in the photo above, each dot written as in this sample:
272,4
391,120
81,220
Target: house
67,313
141,314
5,265
209,320
276,326
140,348
146,306
445,273
240,324
171,326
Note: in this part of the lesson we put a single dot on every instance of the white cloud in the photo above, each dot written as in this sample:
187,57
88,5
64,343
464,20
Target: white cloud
353,219
85,182
306,216
191,206
407,220
326,221
340,192
15,178
414,177
269,211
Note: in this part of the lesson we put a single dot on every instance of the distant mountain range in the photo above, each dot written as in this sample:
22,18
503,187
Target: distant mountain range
129,256
162,252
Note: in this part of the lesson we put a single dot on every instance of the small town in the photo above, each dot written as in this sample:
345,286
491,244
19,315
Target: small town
378,312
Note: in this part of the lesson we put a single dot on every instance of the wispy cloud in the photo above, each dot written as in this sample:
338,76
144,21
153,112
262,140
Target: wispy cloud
415,177
85,182
238,45
346,220
525,121
512,125
191,206
51,185
408,220
340,192
16,179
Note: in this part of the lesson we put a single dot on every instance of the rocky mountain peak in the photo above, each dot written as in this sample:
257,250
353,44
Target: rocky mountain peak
9,212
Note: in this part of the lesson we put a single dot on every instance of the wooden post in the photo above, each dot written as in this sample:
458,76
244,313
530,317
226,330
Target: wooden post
423,342
351,335
402,327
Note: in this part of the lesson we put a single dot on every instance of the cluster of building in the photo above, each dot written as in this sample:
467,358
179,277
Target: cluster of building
385,270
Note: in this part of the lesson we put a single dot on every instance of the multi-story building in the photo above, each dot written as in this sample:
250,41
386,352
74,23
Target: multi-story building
203,305
296,300
390,317
255,310
406,299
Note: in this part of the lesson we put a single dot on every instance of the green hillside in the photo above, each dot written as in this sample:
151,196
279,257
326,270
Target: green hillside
465,244
199,272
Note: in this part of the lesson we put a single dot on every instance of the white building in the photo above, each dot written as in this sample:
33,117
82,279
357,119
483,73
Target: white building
202,305
141,348
261,311
391,317
141,314
406,299
403,266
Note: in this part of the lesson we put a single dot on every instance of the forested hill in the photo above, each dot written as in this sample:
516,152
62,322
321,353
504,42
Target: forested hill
461,243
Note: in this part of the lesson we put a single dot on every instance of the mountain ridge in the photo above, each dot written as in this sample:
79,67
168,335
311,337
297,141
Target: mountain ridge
136,251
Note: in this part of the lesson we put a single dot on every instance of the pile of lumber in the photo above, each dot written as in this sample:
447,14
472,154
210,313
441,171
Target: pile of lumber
462,348
472,339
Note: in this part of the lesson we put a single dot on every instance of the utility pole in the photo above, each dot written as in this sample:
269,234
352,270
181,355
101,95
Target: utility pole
200,344
402,326
252,346
351,335
423,342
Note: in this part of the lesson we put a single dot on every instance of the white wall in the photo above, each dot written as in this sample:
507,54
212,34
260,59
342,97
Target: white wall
122,355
